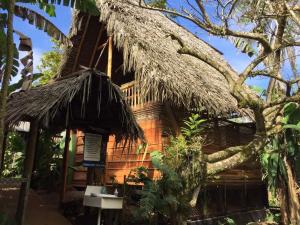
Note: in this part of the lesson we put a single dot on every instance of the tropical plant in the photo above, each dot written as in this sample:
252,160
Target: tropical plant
14,155
162,201
167,199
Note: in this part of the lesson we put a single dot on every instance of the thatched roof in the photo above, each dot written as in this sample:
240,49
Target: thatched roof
86,100
144,37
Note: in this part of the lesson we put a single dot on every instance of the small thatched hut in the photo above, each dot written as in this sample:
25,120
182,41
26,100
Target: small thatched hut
85,100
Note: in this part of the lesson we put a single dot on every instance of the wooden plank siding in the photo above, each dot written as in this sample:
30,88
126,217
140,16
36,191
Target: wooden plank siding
152,118
159,121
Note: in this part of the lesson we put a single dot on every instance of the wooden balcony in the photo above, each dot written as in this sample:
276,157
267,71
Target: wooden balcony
134,97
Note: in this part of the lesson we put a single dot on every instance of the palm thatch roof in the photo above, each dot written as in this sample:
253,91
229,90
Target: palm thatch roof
85,100
145,39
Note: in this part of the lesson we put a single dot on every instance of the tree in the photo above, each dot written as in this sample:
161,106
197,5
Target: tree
49,64
268,32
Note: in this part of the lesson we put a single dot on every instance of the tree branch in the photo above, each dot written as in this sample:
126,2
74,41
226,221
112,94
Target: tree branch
293,14
284,100
246,73
224,154
244,155
266,73
215,29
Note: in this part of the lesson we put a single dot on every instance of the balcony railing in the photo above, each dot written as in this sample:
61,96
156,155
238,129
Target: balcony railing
134,97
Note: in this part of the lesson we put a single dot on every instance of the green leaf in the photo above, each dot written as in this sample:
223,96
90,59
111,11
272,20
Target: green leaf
289,108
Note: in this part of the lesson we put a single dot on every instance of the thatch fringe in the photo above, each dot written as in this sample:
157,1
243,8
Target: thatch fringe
45,103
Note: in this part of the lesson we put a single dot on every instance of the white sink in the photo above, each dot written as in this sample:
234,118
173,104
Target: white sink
94,198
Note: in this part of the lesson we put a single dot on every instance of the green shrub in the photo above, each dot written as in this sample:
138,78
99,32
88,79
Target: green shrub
166,200
14,155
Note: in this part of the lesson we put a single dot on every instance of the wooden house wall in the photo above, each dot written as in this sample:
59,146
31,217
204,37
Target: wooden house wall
121,160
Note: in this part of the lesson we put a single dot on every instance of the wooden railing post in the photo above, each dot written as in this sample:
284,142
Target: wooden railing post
110,56
28,166
133,96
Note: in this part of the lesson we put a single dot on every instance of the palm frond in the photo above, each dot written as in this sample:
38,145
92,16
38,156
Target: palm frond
41,23
88,6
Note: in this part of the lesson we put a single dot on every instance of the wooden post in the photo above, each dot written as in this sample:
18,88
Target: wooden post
110,56
65,166
28,166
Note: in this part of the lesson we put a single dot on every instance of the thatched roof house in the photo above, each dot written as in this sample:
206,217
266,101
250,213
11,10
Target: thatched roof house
144,40
86,100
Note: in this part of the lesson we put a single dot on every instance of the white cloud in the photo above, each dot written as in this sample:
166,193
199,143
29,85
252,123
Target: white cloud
37,55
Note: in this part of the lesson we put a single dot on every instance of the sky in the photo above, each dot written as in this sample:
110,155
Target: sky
42,42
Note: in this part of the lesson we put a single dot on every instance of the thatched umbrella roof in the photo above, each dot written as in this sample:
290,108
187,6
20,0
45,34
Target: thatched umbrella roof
144,37
87,100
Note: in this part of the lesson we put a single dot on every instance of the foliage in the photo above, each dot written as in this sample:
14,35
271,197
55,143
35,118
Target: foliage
49,64
167,199
88,6
162,200
192,127
272,217
48,163
14,155
157,3
39,21
283,145
48,160
259,90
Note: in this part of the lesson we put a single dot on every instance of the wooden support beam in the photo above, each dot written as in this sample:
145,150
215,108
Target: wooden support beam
100,34
81,43
65,166
28,166
110,56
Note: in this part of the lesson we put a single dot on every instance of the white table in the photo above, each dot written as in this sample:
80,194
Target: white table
101,201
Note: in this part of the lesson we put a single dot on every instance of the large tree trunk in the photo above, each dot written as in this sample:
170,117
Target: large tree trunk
7,73
289,199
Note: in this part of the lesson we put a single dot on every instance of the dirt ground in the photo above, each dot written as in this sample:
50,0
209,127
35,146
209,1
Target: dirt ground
42,207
